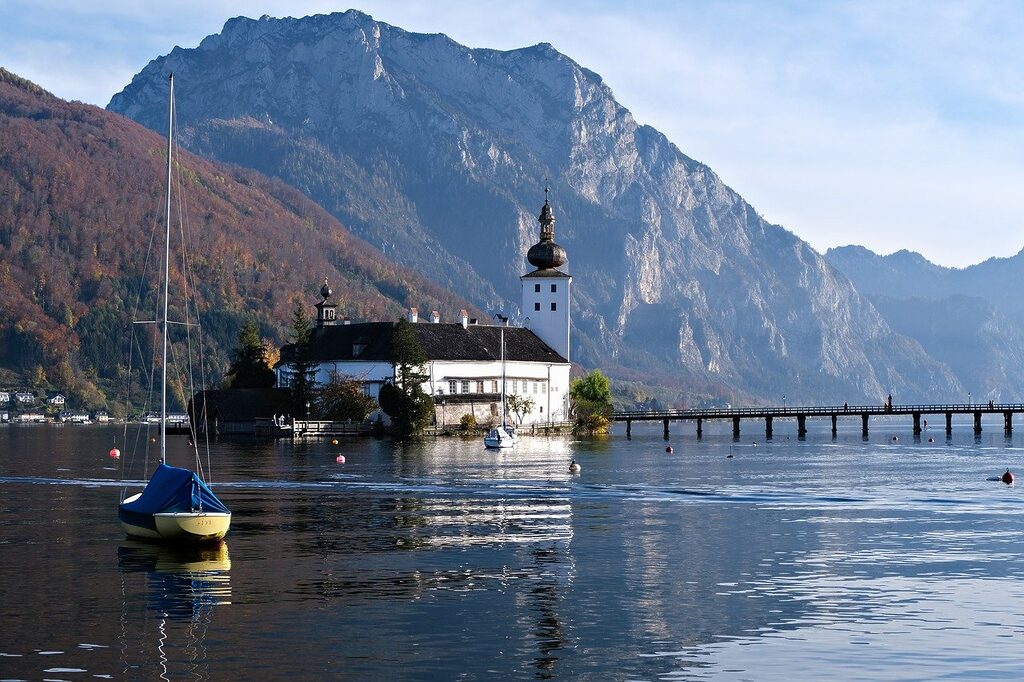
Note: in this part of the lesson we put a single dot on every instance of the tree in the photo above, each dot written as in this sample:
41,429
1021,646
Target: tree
342,399
250,368
404,400
302,372
591,402
520,406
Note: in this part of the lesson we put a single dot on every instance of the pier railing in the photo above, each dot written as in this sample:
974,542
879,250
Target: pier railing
802,412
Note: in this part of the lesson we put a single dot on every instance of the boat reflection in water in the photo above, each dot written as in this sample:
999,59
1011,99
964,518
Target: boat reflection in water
165,616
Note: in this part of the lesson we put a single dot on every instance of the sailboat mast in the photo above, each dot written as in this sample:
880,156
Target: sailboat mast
504,403
167,273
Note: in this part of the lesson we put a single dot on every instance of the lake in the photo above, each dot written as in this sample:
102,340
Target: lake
875,559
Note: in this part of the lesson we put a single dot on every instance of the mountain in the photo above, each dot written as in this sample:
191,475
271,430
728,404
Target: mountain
906,274
82,190
438,153
971,319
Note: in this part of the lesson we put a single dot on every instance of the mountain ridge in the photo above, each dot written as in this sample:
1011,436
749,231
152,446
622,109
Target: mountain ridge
678,278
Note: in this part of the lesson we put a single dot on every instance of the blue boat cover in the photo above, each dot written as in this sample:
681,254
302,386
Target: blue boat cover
171,490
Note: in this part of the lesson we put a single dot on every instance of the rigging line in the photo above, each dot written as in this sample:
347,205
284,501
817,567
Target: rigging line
192,307
190,301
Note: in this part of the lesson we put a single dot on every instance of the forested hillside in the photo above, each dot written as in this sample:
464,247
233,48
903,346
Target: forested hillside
81,190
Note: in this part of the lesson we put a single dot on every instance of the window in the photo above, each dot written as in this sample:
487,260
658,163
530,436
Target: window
536,288
542,409
554,288
535,388
543,387
465,387
554,306
451,387
479,387
536,306
494,387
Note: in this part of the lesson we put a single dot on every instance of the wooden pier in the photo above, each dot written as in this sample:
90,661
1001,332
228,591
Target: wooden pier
864,412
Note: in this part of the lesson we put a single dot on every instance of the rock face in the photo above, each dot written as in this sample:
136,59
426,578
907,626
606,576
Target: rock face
970,318
438,154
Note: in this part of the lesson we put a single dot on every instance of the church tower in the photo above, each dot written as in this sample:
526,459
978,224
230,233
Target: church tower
326,313
546,289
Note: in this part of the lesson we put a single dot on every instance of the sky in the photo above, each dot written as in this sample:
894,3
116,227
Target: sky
894,125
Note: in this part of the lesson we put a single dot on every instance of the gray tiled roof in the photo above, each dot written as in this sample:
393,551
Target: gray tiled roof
371,342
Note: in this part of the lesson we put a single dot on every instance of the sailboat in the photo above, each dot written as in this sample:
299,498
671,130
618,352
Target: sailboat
501,436
176,505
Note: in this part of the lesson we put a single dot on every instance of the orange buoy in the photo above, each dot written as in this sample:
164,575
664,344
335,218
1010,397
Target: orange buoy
340,459
1007,478
334,442
668,449
115,453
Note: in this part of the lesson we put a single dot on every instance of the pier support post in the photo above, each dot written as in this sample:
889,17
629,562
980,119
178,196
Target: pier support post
1008,422
735,427
700,427
977,423
801,425
834,419
864,423
917,423
629,428
949,423
665,423
768,428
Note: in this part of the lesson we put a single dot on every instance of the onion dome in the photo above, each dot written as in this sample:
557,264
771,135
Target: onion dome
546,254
325,291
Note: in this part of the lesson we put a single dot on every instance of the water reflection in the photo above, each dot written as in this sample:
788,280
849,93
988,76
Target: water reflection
182,587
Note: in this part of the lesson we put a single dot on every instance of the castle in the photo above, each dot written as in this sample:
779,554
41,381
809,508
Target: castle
464,358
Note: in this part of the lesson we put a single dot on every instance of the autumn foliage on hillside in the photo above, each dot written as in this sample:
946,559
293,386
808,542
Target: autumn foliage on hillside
82,189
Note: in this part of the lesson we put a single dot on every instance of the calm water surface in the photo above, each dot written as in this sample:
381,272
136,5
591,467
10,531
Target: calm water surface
798,559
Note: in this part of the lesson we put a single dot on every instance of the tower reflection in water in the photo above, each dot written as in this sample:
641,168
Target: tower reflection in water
169,595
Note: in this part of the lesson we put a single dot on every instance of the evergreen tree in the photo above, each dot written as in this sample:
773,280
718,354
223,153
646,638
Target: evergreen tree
404,400
249,368
302,373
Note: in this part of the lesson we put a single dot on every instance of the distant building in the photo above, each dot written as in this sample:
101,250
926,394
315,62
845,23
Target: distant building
32,417
55,399
5,397
25,398
101,417
464,359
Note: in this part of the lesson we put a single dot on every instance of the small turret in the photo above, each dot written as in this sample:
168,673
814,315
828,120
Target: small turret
326,313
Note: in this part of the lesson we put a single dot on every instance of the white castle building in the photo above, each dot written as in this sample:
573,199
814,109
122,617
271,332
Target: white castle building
464,363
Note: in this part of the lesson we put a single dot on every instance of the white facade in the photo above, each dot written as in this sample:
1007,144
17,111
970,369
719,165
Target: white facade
546,309
547,384
475,384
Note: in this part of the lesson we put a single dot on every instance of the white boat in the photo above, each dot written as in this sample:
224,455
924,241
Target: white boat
176,505
502,436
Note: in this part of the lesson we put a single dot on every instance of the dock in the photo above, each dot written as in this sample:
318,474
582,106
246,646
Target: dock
768,415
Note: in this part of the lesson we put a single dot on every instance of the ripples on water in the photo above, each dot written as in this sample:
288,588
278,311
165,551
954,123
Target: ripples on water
792,558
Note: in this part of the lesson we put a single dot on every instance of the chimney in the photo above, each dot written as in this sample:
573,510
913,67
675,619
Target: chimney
435,317
346,320
464,318
414,315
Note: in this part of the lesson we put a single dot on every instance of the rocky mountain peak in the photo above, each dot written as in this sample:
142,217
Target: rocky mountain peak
438,153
